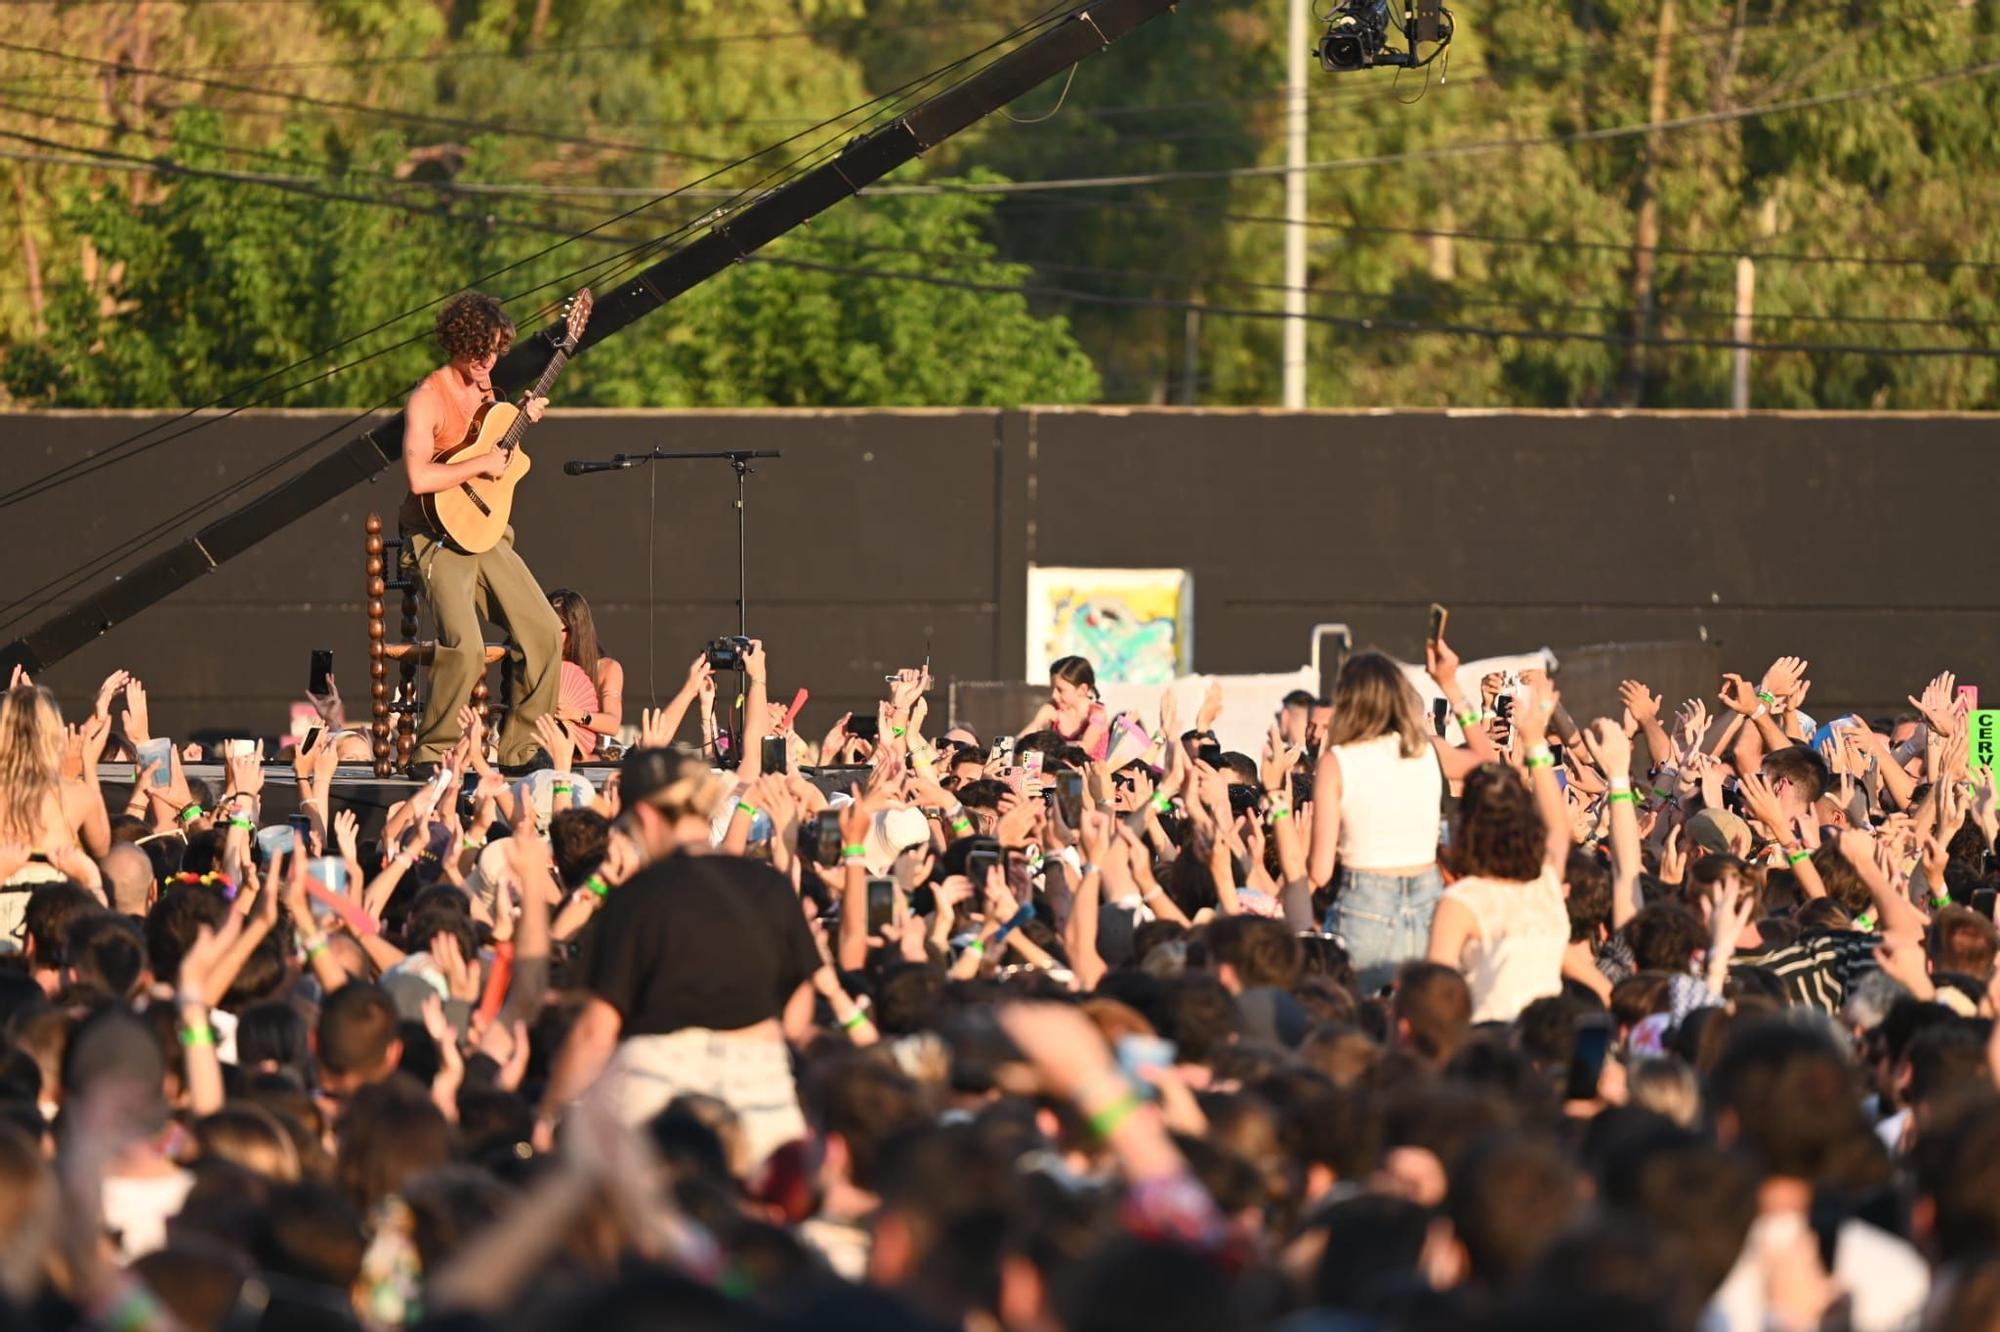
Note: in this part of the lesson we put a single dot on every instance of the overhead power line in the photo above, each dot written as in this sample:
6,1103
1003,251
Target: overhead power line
1377,324
1452,294
358,108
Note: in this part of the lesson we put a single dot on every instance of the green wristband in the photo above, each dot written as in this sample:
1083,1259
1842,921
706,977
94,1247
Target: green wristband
1769,700
1664,794
1865,921
190,814
1621,798
1470,719
853,1020
898,732
596,884
1279,812
961,825
315,948
1794,857
1107,1121
977,948
1541,761
1162,802
191,1037
854,852
243,823
563,790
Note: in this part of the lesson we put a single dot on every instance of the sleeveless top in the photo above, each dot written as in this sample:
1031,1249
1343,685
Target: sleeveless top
1093,716
453,422
1514,954
1388,804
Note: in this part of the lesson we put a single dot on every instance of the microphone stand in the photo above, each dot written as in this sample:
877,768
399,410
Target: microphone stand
739,460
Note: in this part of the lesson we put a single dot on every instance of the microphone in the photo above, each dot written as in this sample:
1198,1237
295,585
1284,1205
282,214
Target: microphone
617,464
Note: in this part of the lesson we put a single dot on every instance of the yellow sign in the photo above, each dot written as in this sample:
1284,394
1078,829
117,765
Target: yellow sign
1985,747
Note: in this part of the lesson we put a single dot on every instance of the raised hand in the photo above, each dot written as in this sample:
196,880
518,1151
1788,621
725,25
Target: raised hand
1441,664
1738,695
1936,703
1535,710
907,688
1783,679
556,741
331,710
1641,702
1609,747
107,691
1762,803
138,720
1211,707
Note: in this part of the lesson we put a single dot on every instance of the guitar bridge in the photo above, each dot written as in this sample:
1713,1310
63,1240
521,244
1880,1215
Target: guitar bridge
477,498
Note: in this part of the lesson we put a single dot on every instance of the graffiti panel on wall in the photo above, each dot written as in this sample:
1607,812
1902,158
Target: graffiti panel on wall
1136,626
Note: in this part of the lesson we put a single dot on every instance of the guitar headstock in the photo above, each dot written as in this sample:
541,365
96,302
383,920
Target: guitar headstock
576,313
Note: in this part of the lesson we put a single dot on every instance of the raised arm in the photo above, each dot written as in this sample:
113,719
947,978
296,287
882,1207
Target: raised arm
1613,751
1531,723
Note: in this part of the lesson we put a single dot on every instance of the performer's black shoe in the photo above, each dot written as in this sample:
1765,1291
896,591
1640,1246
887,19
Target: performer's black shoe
421,772
540,761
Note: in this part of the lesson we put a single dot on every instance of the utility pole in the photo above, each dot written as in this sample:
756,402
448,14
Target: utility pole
1746,303
1298,51
1646,238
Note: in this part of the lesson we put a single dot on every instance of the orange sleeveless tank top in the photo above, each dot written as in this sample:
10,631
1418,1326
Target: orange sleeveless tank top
453,422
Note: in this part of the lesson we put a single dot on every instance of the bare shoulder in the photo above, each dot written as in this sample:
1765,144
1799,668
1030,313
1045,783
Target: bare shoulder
610,674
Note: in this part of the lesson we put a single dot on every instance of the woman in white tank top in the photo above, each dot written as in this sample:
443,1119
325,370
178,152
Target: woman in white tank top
1376,794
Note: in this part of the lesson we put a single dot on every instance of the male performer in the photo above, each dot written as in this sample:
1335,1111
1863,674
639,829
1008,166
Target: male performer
462,587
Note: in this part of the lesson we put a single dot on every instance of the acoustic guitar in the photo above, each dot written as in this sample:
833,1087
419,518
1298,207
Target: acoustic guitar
474,513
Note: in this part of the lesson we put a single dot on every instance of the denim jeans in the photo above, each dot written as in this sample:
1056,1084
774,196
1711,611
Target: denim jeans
1385,920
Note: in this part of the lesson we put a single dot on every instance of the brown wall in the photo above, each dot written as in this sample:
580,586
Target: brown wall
1860,542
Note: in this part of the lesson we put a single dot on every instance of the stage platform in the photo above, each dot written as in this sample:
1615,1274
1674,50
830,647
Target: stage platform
355,787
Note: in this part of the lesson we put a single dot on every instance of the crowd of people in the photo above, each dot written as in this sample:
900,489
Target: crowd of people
1483,1018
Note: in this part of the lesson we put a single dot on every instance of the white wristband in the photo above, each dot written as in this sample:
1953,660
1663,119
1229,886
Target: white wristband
1621,783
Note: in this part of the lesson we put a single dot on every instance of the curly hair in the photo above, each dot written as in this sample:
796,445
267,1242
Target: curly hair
467,323
1500,832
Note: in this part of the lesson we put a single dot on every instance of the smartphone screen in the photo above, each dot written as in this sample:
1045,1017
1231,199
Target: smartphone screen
983,857
1209,753
774,753
1069,798
1032,764
864,728
1003,749
1438,617
881,904
1244,799
1586,1060
312,737
322,670
160,751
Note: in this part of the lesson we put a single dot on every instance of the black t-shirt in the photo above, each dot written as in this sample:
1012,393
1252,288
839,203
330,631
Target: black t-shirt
698,941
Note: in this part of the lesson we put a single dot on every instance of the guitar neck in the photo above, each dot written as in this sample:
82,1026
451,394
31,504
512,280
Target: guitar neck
540,390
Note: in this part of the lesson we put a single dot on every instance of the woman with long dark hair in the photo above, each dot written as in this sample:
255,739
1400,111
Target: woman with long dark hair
1074,710
591,698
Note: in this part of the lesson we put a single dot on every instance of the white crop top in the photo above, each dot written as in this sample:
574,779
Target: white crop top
1388,804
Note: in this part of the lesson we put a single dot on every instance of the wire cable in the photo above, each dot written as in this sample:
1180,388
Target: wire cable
1377,324
62,475
63,584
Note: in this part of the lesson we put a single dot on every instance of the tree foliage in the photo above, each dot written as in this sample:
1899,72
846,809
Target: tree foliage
1432,269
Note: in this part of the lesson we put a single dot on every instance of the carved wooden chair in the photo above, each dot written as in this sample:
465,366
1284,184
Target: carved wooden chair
396,710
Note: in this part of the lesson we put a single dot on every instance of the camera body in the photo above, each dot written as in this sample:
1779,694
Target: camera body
726,654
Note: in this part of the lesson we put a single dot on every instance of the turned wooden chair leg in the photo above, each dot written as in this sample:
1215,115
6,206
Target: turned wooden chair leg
378,665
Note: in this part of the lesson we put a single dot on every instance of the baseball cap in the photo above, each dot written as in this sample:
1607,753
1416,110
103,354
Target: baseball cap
1719,830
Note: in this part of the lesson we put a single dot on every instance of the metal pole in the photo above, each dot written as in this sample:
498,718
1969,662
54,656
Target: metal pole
1298,50
1746,301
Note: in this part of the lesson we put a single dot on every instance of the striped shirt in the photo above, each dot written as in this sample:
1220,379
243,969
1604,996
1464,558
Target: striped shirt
1820,967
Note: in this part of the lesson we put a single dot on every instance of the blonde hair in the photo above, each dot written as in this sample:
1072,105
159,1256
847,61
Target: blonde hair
1667,1087
250,1136
1372,698
31,749
695,792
